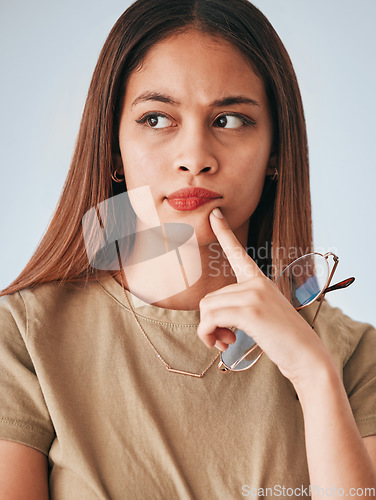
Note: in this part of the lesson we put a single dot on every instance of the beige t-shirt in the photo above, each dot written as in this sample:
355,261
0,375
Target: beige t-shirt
79,382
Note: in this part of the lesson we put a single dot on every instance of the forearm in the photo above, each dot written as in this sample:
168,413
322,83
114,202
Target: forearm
337,457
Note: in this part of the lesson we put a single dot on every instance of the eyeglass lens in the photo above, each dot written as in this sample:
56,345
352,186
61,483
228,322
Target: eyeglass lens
233,355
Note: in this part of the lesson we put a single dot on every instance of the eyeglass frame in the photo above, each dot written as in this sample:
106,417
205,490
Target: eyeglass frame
320,297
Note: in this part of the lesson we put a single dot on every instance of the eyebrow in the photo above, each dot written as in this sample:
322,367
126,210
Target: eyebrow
154,96
234,99
221,103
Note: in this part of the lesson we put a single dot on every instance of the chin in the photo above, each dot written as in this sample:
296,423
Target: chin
205,240
204,233
199,222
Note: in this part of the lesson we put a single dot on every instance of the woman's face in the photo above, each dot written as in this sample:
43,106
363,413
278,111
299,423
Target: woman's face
196,115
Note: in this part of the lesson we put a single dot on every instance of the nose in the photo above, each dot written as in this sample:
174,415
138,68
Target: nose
195,152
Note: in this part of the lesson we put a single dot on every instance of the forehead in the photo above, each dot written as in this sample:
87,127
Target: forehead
195,65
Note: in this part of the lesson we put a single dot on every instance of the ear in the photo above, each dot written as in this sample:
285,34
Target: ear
272,164
118,163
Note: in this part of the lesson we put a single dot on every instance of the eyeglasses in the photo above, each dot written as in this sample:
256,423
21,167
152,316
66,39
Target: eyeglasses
304,281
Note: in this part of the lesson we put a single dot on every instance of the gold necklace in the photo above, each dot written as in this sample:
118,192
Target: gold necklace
167,366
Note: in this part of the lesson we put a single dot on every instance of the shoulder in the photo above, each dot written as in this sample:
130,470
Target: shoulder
341,334
353,347
24,417
44,304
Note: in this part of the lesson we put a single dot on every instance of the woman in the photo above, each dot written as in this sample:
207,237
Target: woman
198,102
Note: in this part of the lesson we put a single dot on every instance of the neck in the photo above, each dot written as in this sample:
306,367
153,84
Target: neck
160,281
216,273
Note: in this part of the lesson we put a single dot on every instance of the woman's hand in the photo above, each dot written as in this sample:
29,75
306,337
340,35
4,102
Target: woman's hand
255,305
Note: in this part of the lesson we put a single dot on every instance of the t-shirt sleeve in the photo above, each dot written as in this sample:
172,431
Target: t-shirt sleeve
359,376
24,417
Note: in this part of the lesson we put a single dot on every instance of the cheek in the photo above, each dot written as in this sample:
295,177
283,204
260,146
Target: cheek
249,157
246,181
247,172
141,166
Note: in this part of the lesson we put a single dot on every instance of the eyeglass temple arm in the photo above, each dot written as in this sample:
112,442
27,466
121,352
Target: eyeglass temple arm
340,285
337,286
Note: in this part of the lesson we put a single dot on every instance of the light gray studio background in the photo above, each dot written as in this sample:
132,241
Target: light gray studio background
48,53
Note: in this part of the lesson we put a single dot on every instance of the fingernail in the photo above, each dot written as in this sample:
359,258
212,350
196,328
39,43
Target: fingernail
217,213
219,348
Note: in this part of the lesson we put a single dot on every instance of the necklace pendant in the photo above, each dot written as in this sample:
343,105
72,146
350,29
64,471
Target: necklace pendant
181,372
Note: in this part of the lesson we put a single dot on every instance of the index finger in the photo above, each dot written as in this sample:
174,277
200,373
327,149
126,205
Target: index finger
243,265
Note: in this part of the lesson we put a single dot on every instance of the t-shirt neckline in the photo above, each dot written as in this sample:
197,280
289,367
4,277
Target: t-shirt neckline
176,316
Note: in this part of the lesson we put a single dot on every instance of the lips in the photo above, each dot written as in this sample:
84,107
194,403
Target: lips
191,198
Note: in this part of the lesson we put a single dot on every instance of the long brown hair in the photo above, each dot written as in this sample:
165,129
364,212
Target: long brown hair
282,220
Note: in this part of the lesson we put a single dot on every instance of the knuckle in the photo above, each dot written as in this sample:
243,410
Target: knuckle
261,293
204,304
204,300
257,311
209,315
258,296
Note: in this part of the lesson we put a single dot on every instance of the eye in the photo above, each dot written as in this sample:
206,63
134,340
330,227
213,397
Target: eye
155,120
232,121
